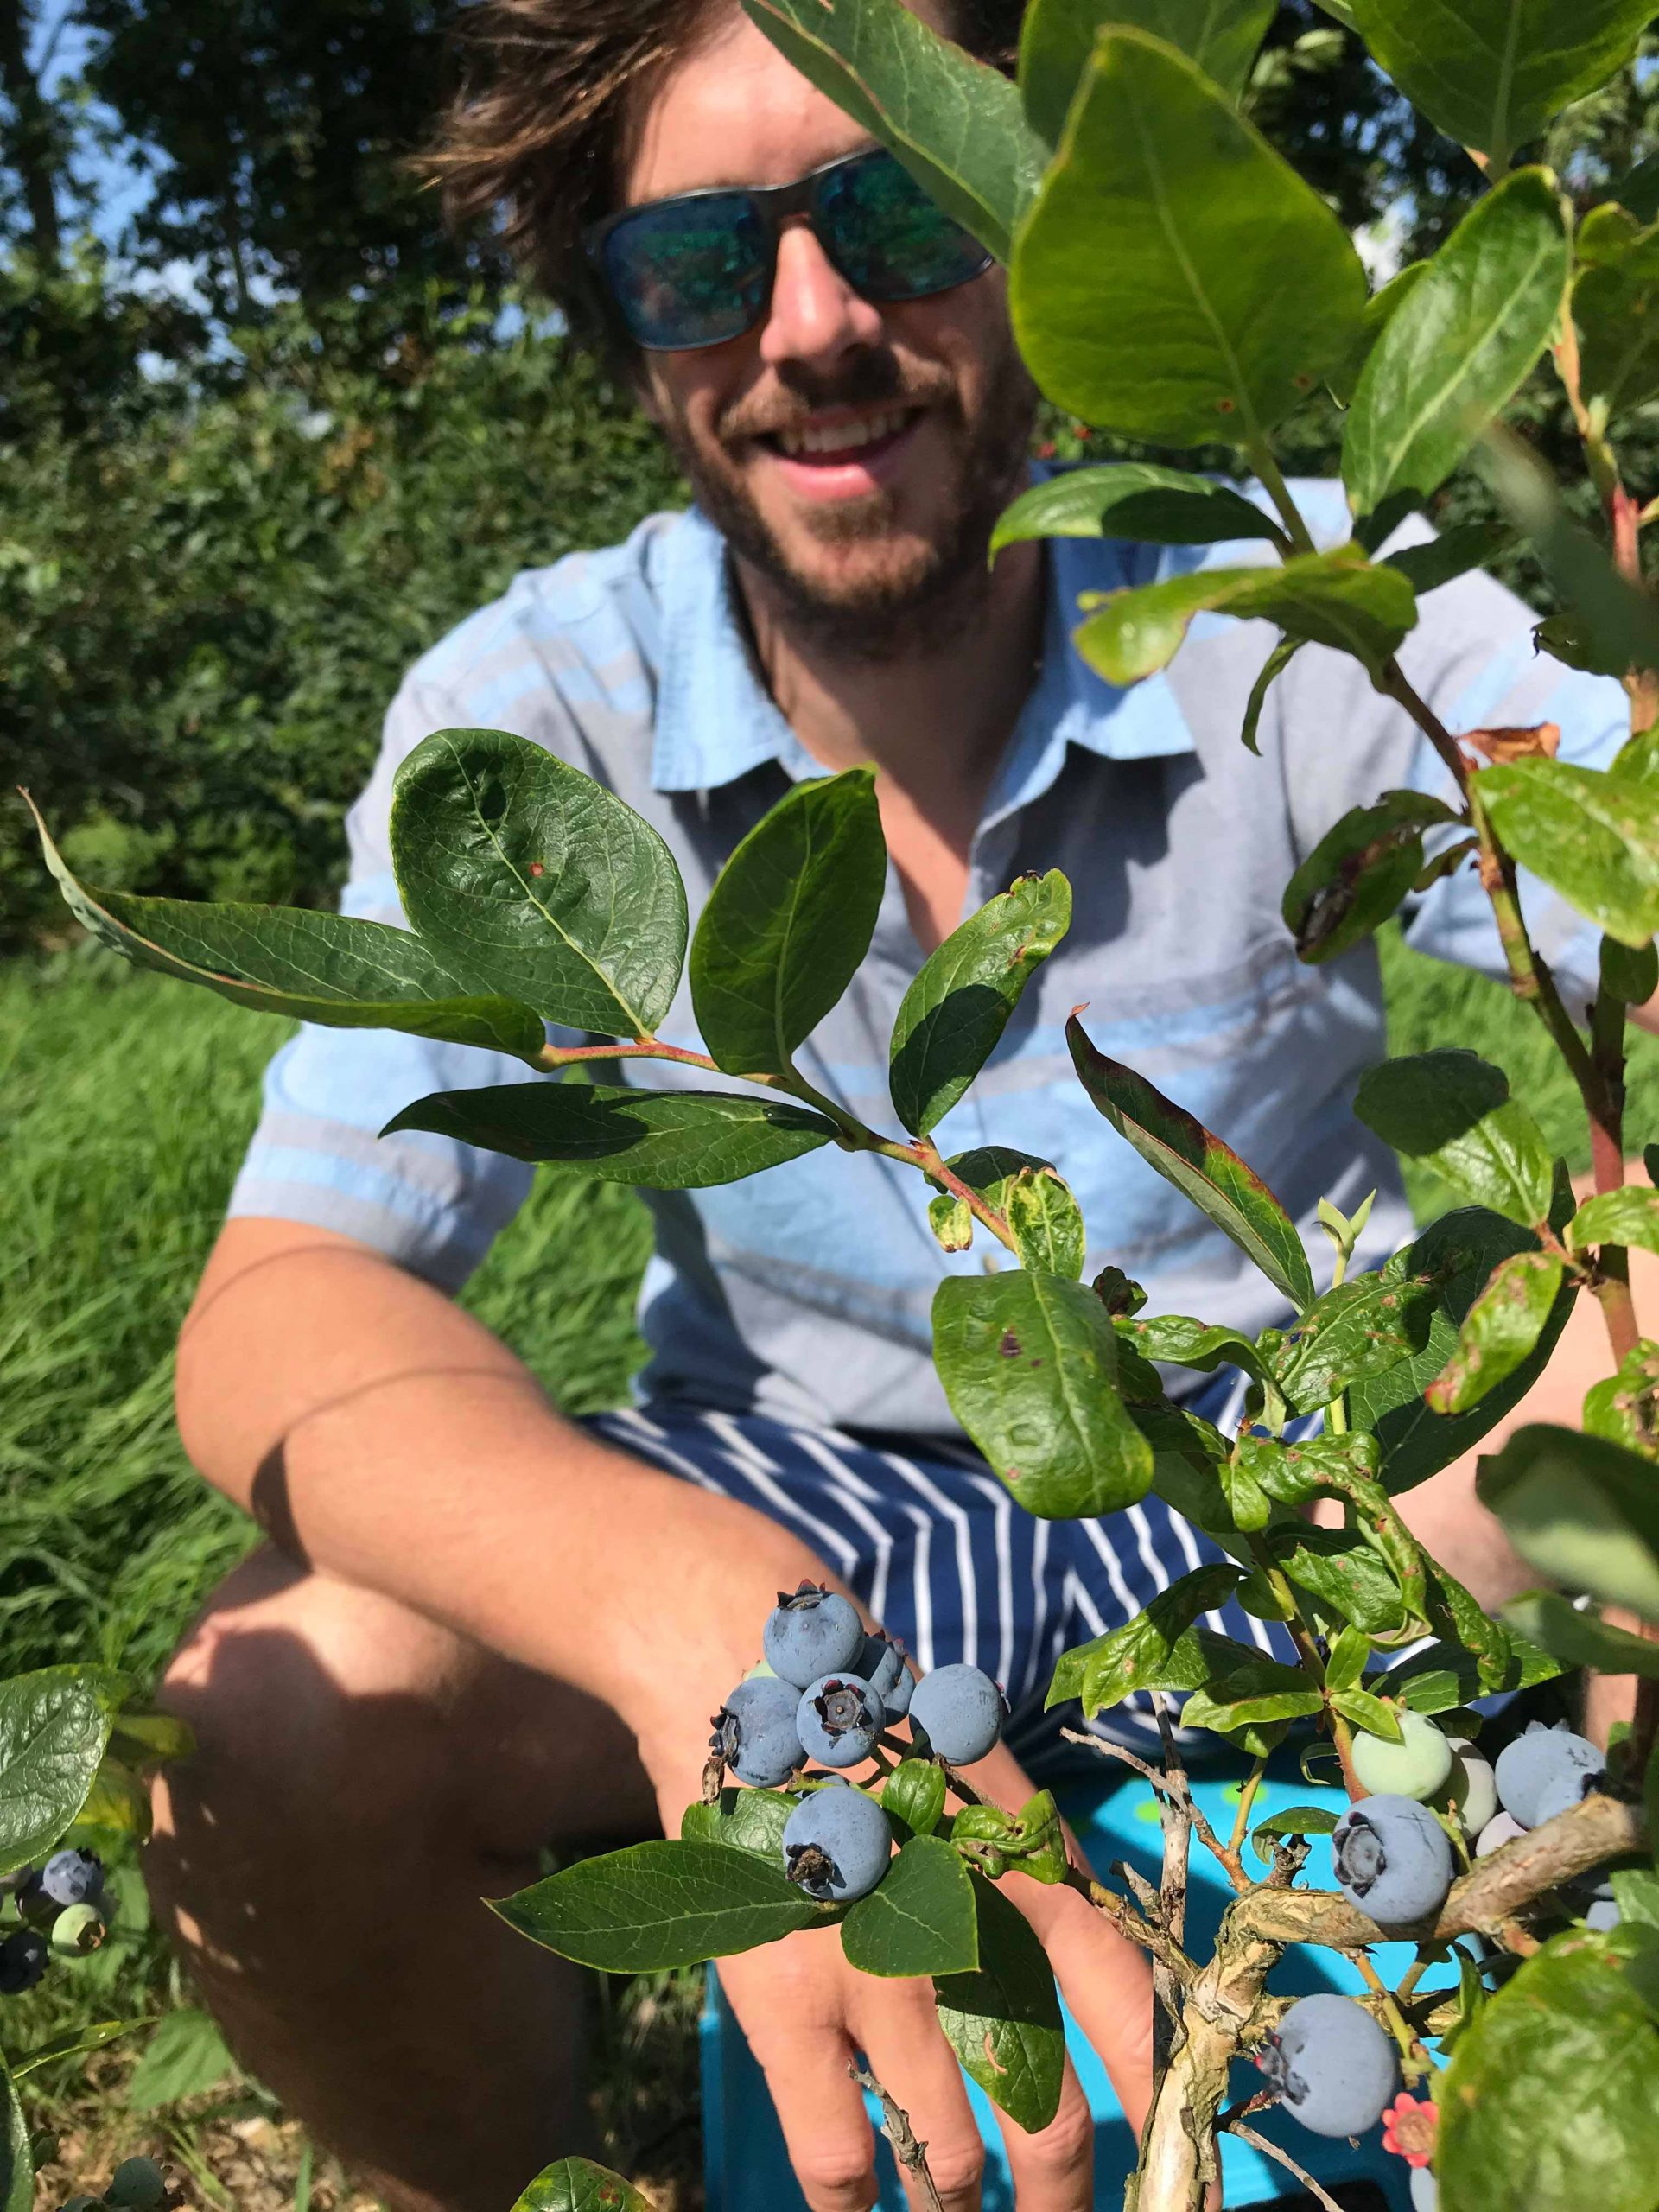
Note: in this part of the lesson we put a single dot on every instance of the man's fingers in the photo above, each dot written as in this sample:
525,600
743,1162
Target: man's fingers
795,2030
909,2056
1106,1981
1053,2170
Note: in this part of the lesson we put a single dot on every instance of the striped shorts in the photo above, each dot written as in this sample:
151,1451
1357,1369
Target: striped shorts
931,1542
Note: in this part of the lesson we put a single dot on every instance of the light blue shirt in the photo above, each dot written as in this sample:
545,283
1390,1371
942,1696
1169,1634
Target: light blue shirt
805,1292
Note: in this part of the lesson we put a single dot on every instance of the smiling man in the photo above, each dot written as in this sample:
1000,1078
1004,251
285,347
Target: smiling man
480,1630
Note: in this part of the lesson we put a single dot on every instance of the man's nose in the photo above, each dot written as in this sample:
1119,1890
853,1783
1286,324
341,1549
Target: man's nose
815,316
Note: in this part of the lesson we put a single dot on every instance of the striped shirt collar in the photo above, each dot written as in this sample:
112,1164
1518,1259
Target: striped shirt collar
715,722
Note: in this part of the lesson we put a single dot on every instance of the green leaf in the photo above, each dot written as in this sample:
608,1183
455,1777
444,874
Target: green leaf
1295,1820
76,2043
1345,1572
1452,554
17,2161
1058,36
1492,72
186,2055
1187,1452
958,126
578,2185
1379,311
1461,344
1592,837
914,1793
951,1221
1247,1501
921,1921
743,1820
1159,1649
1211,1175
953,1015
1175,279
1373,1715
1616,307
1272,668
1358,873
1046,1223
1580,1639
1338,599
527,877
1461,1249
1444,1677
1500,1330
788,921
1360,1329
1611,626
1551,2102
1451,1110
304,966
1003,2020
1179,1341
54,1727
1028,1362
1623,1406
1581,1510
655,1139
1636,1890
1629,1215
1134,500
659,1904
1638,192
1255,1695
1629,973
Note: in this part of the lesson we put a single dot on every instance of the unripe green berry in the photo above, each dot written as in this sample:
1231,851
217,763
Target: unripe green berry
76,1930
1419,1765
138,2185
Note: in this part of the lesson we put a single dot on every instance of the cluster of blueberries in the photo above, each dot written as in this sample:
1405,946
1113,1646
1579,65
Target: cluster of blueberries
136,2185
62,1908
827,1692
1331,2063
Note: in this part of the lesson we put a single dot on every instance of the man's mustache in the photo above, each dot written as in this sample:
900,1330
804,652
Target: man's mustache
765,416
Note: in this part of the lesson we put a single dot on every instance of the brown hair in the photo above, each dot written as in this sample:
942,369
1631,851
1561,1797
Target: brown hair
535,137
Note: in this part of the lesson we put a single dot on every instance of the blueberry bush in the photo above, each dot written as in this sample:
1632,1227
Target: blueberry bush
1173,280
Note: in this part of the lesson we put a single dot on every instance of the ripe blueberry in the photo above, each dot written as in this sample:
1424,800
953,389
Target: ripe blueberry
813,1633
838,1721
1541,1758
1501,1829
1425,2190
1393,1859
881,1664
960,1711
1561,1793
139,2185
1473,1786
1419,1765
836,1844
1603,1914
1332,2064
22,1961
72,1877
755,1733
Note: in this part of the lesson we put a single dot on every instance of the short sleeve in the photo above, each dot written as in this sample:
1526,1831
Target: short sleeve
317,1156
1471,657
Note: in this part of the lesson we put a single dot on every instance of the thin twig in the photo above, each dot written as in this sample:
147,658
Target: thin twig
895,2125
1272,2150
1201,1827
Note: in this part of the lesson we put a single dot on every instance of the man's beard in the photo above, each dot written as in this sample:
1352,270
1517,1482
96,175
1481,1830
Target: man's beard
871,611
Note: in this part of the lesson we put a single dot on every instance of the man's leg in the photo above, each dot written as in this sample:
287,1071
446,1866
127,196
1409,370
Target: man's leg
363,1779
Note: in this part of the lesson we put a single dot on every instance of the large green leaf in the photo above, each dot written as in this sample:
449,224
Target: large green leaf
528,877
1003,2019
1500,1330
654,1139
920,1920
1610,625
1492,72
54,1725
1444,1677
1136,501
788,921
1338,599
659,1904
1176,280
17,2160
1592,836
1460,345
1551,2102
958,1005
578,2185
1259,1693
1582,1510
1461,1249
307,966
1346,1573
1360,1329
958,126
1616,307
1379,312
1159,1649
1058,36
743,1820
1211,1175
1029,1362
1179,1341
1358,873
1451,1110
78,2042
1582,1640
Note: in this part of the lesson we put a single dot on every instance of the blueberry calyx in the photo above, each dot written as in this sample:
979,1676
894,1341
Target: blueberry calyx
1360,1857
842,1706
810,1865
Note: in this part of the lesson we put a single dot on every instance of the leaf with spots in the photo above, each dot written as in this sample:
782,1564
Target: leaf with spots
1500,1330
578,2185
1160,1650
1360,1329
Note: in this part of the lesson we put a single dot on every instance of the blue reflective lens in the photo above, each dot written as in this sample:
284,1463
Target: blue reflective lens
886,237
689,272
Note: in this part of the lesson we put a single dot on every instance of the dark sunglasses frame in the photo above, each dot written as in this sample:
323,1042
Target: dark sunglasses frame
773,204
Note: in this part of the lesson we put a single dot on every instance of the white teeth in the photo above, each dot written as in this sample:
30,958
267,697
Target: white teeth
844,437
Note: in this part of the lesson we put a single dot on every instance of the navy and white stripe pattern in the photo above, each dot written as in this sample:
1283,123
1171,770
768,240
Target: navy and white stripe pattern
928,1538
